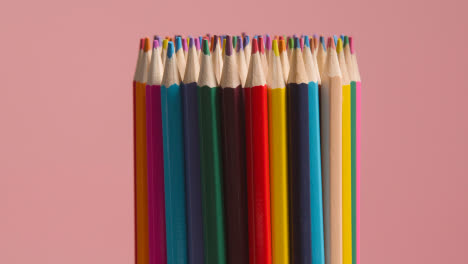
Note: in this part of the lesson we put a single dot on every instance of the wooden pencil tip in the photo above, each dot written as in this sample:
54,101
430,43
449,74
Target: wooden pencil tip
351,46
322,41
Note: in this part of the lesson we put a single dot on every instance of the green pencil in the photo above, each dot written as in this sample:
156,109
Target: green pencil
211,162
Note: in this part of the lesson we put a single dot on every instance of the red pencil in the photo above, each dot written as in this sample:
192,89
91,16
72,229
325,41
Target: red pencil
258,175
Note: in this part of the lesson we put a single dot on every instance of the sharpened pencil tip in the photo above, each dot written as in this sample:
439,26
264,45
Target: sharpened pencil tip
351,46
142,44
339,45
268,42
331,43
282,45
322,41
170,49
228,46
155,43
306,41
147,45
261,45
297,43
239,46
165,42
345,41
206,47
246,40
191,42
254,46
178,44
275,48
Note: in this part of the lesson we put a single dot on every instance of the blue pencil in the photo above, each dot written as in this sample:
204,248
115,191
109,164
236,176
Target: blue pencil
192,158
316,206
174,166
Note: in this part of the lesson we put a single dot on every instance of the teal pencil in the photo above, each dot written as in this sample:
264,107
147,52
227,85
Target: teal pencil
174,167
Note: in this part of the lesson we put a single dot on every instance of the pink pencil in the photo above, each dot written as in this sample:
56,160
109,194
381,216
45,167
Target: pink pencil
156,206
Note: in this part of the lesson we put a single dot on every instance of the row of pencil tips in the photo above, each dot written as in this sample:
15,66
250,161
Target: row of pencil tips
189,50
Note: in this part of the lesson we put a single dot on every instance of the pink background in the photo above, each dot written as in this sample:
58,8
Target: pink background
66,69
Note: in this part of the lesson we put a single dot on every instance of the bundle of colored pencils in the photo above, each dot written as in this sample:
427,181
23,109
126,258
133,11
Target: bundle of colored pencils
247,150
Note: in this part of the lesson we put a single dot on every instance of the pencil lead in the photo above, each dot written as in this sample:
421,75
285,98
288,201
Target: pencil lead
335,39
191,42
297,43
165,42
345,41
215,42
178,44
184,45
197,43
254,46
275,47
246,40
155,44
306,41
228,46
206,47
291,43
351,46
239,44
142,44
170,49
147,45
322,41
268,42
339,46
261,46
331,43
282,45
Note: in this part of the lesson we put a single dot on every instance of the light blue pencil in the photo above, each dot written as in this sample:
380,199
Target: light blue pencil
174,168
316,210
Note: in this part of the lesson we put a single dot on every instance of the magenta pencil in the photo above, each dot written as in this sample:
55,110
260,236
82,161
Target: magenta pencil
156,206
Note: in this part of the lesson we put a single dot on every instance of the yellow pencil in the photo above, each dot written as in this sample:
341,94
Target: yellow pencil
346,154
278,159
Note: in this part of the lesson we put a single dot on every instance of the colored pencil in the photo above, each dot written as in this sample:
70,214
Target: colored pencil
284,59
189,93
277,110
141,179
180,57
268,47
356,150
198,47
299,165
247,50
258,181
235,182
346,154
314,57
316,211
331,113
136,79
164,51
174,166
241,61
290,48
212,177
217,58
321,56
156,208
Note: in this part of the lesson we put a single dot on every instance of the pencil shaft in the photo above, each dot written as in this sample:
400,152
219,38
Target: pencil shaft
336,202
156,208
358,172
316,206
212,178
299,173
258,180
174,175
141,181
347,180
195,243
235,182
277,109
353,167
